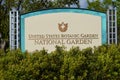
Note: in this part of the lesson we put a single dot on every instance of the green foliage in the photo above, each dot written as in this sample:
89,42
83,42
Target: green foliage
100,63
103,6
24,6
118,18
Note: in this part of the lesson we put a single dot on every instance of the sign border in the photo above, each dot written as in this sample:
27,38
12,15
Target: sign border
62,10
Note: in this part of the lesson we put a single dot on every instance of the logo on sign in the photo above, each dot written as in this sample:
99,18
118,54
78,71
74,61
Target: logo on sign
63,26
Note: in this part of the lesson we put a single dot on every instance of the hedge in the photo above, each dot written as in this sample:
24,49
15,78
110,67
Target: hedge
98,63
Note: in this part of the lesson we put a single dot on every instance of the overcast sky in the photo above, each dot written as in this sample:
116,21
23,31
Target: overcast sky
83,3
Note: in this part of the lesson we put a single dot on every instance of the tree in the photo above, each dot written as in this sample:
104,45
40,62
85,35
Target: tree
103,6
98,5
5,6
117,4
24,6
33,5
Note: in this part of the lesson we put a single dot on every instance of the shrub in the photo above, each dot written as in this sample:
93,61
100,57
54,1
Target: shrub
100,63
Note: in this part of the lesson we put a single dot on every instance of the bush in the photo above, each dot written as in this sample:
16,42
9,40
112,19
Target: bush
100,63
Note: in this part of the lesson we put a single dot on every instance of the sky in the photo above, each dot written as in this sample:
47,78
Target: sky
83,3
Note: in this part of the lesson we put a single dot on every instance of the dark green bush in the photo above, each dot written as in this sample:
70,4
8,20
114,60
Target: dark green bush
100,63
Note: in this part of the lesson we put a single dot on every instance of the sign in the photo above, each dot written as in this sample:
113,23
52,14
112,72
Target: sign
68,27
